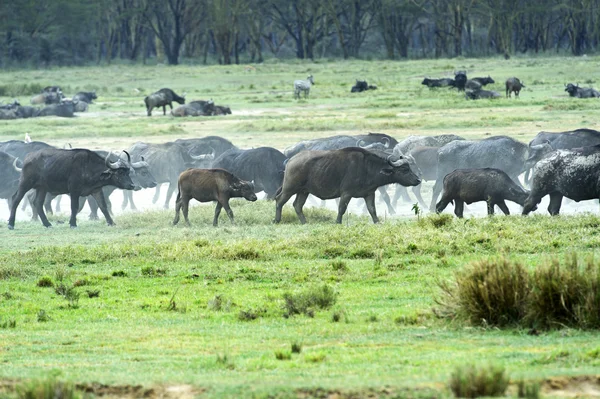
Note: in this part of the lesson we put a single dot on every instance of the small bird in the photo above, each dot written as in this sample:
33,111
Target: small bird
27,138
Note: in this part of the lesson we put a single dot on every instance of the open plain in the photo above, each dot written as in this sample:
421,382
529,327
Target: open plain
161,311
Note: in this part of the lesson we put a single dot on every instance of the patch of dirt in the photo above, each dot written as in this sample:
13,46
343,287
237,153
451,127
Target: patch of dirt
584,386
386,392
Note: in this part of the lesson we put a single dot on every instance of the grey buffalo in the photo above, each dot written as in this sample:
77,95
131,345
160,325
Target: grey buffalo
162,98
474,185
9,176
347,173
205,185
574,174
85,96
581,92
513,85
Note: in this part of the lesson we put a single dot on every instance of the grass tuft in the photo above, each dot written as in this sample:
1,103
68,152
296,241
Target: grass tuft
10,323
296,347
318,297
42,316
48,388
528,390
283,355
45,282
475,382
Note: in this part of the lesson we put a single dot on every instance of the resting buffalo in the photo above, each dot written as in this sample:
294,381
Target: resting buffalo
362,85
480,93
347,173
263,165
474,185
85,96
77,172
581,92
484,81
473,85
166,162
222,110
207,185
162,98
499,152
9,176
444,82
574,174
64,109
460,80
513,85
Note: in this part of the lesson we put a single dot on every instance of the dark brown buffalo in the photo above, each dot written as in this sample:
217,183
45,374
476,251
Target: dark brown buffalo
347,173
513,85
207,185
162,98
474,185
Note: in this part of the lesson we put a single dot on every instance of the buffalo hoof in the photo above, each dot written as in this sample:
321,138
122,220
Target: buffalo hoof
10,227
93,217
73,227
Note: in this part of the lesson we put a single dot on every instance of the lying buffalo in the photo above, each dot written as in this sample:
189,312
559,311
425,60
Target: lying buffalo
347,173
207,185
484,81
574,174
433,83
65,110
480,93
76,172
474,185
85,96
581,92
362,85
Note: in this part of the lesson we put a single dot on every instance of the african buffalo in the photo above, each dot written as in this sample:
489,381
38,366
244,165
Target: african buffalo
339,142
206,145
473,185
574,174
433,83
162,98
408,144
347,173
76,172
581,92
64,109
206,185
484,81
9,176
85,96
513,85
480,93
264,166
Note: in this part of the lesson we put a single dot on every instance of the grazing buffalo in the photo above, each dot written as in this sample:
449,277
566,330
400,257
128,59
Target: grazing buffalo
474,185
9,176
499,152
85,96
362,85
166,162
76,172
222,110
347,173
581,92
207,185
162,98
574,174
480,93
484,81
263,165
513,85
433,83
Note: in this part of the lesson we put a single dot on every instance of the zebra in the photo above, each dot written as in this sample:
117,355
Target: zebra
303,85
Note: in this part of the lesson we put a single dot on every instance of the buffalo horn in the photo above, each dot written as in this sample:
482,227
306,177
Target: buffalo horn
109,164
360,143
205,156
386,142
128,156
15,165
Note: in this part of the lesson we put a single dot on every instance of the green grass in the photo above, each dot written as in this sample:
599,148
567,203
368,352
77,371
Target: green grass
146,303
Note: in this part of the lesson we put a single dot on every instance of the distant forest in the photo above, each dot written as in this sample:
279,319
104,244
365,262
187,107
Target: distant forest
77,32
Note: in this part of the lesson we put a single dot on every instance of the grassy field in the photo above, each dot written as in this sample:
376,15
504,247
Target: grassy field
148,309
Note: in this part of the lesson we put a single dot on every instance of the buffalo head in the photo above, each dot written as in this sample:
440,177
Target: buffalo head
118,173
244,189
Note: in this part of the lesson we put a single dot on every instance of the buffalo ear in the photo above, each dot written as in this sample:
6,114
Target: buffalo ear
387,171
105,175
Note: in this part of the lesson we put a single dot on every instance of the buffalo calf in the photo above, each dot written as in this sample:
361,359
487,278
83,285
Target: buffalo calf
473,185
207,185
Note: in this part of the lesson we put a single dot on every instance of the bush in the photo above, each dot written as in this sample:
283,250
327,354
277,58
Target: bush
321,297
296,347
567,295
473,382
50,388
529,390
491,292
45,282
151,271
283,355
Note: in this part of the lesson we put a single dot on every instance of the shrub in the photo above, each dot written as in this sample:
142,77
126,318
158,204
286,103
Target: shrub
319,297
45,282
151,271
490,292
474,382
93,293
296,347
49,388
566,294
283,355
11,323
339,266
42,316
225,361
119,273
528,390
250,314
440,220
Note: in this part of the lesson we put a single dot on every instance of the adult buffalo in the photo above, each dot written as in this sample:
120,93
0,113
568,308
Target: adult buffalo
347,173
433,83
76,172
426,161
206,145
339,142
574,174
499,152
64,109
408,144
20,149
581,92
166,162
263,165
85,96
162,98
9,176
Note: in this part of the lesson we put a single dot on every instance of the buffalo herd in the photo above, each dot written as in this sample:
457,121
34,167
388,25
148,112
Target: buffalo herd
211,168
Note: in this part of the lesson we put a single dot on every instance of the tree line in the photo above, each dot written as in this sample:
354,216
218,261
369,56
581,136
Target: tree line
67,32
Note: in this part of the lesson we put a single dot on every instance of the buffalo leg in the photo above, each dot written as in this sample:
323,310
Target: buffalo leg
99,197
444,201
156,194
298,204
555,203
386,198
502,205
170,191
459,207
16,199
280,201
38,204
164,109
178,205
400,193
217,213
370,201
48,204
343,205
131,203
437,188
228,209
125,200
30,197
531,204
74,210
417,192
93,208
